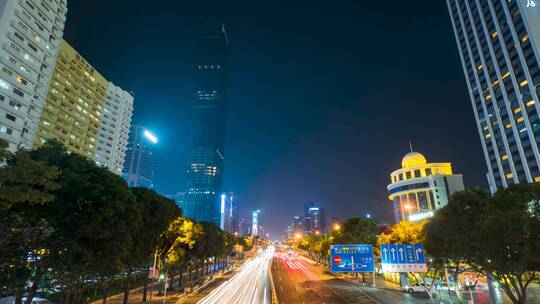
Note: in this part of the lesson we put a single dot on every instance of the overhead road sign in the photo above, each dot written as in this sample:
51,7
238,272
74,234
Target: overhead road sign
351,258
403,258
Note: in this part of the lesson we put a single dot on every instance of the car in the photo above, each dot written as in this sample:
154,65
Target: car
35,300
416,287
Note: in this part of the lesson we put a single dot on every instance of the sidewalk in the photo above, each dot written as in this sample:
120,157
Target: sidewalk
173,293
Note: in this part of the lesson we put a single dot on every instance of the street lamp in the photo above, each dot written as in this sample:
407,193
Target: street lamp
317,232
337,227
298,236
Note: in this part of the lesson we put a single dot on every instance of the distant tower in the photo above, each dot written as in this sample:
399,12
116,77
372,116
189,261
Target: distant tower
139,161
499,46
206,154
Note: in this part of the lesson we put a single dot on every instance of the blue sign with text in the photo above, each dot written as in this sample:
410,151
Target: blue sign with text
351,258
403,257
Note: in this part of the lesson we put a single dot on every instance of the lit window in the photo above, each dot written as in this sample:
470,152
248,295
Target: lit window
521,119
504,157
537,178
4,84
517,110
525,38
506,75
509,175
508,125
488,136
530,103
480,66
494,34
523,83
488,97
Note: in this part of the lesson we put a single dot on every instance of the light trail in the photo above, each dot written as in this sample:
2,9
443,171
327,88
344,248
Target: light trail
249,285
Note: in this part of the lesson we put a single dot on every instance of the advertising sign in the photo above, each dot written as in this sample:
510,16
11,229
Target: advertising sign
351,258
403,258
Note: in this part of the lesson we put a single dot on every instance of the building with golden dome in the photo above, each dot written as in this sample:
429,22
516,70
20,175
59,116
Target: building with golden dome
419,188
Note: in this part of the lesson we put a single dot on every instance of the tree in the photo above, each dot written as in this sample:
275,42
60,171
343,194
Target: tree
92,216
405,232
356,230
157,212
497,236
177,246
26,185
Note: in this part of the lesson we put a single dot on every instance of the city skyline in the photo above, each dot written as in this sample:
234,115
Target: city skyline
296,118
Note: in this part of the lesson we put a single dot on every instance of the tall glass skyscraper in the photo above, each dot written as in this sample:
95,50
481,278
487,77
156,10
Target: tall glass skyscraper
206,155
499,45
139,162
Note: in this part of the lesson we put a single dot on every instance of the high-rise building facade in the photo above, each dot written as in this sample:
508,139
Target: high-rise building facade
114,129
314,218
297,228
178,198
206,154
30,35
255,222
74,105
420,188
139,163
85,112
499,46
230,220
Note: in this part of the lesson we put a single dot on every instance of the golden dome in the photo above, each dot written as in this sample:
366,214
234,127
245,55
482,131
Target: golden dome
413,159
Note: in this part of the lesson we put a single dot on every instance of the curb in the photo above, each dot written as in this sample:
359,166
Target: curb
274,295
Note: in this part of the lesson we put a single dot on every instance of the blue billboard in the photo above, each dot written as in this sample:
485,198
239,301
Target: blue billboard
351,258
403,258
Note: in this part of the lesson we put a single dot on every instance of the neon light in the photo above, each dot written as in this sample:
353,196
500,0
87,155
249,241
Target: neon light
420,216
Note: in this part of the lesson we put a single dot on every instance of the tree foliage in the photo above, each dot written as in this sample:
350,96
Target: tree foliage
498,236
65,221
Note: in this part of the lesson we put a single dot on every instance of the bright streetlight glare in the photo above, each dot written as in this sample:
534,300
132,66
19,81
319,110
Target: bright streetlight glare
151,137
337,227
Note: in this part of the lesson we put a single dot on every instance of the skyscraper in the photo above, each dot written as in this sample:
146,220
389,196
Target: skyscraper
229,213
499,46
85,112
314,218
114,129
139,163
30,35
206,154
255,222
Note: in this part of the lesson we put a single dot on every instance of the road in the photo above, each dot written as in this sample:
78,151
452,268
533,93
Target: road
300,280
250,284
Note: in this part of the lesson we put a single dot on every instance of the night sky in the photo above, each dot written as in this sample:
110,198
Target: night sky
324,96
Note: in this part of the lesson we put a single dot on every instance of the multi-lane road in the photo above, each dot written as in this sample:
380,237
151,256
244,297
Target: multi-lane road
251,283
299,280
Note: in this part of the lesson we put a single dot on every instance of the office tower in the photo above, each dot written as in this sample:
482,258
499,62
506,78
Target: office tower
499,46
314,218
177,197
245,227
139,164
255,222
30,35
114,129
297,226
420,188
229,213
206,155
85,112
